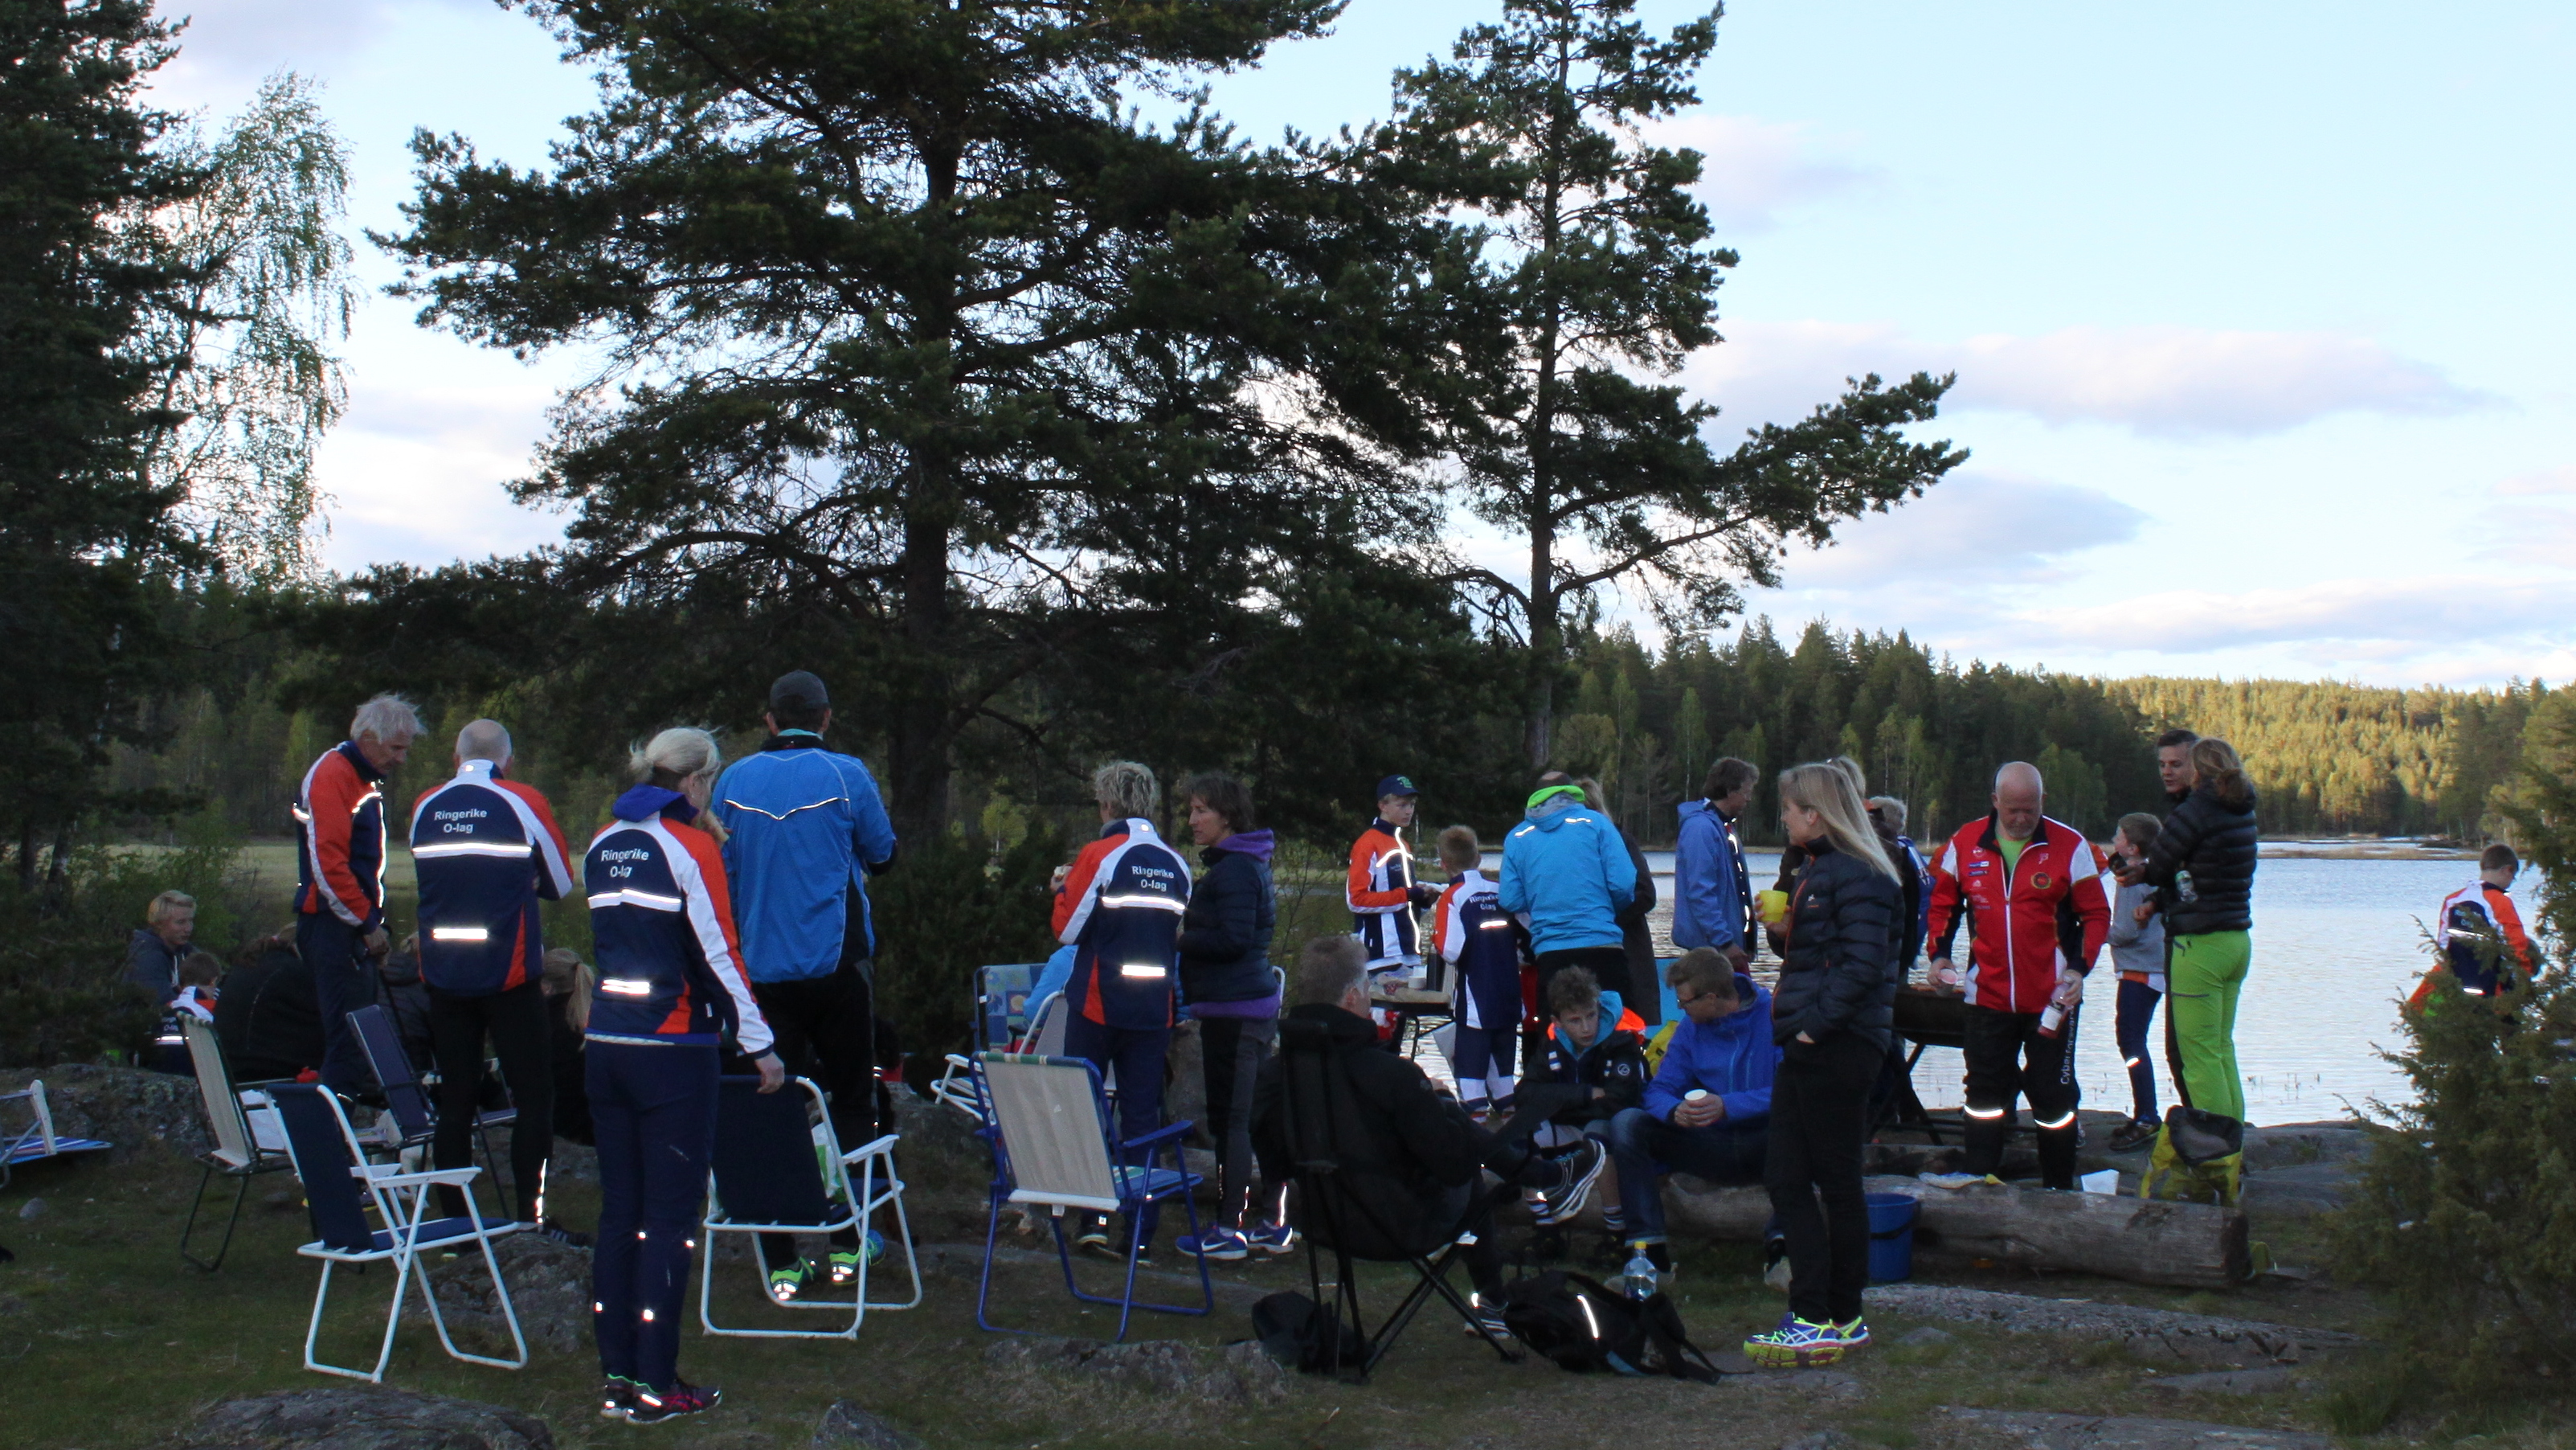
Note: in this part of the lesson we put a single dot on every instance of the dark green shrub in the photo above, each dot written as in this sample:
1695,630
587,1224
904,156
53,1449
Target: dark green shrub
950,906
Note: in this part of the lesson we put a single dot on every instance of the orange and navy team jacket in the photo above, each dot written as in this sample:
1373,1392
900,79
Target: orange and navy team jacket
340,839
2482,930
1120,910
670,966
1381,897
2053,912
487,851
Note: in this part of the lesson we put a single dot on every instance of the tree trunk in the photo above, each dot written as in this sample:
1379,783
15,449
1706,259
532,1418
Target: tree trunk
918,761
2186,1245
1546,644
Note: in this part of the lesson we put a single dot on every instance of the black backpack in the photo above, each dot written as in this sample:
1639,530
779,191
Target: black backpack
1290,1327
1583,1325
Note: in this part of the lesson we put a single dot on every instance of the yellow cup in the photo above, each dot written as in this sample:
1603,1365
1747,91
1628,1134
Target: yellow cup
1772,906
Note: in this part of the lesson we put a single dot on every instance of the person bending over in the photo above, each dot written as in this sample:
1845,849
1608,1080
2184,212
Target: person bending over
1411,1162
1707,1113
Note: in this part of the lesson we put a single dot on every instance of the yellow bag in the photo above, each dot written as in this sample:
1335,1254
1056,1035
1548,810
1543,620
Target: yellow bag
2219,1180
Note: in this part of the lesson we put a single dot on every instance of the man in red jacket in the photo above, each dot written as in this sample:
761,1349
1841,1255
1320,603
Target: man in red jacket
340,866
2038,907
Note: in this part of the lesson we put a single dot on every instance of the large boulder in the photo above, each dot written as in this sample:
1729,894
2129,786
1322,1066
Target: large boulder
128,1107
361,1419
549,1288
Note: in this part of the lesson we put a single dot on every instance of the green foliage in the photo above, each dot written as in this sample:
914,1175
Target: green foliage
62,950
2465,1214
950,906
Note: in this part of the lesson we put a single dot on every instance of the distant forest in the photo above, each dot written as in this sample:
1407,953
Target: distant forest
2329,759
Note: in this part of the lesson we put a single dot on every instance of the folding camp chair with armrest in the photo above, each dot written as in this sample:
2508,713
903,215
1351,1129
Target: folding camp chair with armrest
1053,1147
779,1168
407,1097
1001,1020
38,1139
1314,1127
341,1188
238,1154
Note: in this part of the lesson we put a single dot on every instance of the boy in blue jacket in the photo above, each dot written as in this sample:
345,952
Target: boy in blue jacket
1707,1113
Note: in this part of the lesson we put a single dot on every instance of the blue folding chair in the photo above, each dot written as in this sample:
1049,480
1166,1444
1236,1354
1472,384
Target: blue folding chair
779,1168
1001,1018
38,1139
1053,1147
341,1189
407,1097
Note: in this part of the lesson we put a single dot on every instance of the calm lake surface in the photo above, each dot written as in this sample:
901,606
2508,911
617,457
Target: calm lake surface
2337,944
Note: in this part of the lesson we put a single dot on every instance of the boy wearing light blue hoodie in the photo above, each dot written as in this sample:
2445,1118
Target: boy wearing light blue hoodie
1566,873
1707,1113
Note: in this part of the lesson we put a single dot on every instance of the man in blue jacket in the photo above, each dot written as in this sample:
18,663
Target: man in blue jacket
1708,1111
805,828
1712,898
1566,873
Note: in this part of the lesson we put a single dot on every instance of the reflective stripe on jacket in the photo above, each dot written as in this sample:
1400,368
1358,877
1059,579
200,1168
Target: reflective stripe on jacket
2053,910
661,920
340,839
486,851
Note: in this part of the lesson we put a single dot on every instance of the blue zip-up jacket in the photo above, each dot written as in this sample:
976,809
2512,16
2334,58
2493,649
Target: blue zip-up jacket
1567,873
661,921
1709,893
804,827
486,851
1732,1057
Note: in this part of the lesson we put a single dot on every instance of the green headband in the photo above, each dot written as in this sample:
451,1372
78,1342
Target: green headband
1543,792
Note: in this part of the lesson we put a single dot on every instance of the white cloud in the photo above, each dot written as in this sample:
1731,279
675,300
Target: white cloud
416,473
2394,617
2545,481
229,44
2160,381
1753,169
1971,530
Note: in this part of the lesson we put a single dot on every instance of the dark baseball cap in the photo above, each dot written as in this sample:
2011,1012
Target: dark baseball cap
799,690
1397,785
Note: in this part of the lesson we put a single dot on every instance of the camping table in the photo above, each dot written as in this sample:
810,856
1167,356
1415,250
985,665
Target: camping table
1415,1010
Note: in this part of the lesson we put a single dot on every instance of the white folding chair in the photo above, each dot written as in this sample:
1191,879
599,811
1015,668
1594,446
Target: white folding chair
38,1139
1054,1148
239,1152
342,1189
768,1177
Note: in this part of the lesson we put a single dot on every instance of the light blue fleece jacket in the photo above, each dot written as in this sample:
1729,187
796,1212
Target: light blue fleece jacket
1732,1057
1567,873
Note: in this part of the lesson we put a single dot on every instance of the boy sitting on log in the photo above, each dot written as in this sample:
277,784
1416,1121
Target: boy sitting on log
1708,1109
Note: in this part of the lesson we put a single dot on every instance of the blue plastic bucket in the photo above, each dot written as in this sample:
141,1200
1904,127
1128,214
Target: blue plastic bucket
1891,1237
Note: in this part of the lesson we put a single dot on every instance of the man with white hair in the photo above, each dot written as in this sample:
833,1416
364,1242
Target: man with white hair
2037,899
487,850
340,870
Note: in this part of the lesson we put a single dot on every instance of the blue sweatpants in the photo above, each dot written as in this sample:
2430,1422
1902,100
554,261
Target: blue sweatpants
1136,1054
653,1110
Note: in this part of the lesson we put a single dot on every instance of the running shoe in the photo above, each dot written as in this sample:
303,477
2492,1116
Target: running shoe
2130,1137
1487,1321
1094,1238
569,1238
788,1284
1582,1170
652,1407
617,1397
1272,1238
1853,1334
844,1264
1796,1344
1218,1243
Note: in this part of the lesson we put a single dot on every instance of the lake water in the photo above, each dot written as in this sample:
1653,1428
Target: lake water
2337,944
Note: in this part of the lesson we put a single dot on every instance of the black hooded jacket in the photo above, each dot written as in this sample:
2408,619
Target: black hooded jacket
2216,844
1400,1145
1839,971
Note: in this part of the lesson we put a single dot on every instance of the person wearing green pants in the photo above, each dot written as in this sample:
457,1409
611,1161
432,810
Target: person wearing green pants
2202,866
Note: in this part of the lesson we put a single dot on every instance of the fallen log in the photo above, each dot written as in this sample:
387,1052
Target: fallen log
2144,1241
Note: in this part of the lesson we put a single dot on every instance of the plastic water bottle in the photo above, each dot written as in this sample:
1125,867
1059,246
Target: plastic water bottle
1638,1279
2183,887
2052,1020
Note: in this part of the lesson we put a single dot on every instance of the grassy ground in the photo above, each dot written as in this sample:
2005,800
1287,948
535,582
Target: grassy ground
106,1340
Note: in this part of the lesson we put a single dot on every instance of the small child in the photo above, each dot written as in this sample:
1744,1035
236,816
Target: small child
1595,1044
1480,942
198,974
2138,951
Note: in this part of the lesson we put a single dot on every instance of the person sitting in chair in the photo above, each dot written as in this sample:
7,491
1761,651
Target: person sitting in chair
1410,1162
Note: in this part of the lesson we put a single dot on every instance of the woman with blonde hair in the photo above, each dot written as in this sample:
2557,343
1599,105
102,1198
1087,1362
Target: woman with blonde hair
1831,1017
671,989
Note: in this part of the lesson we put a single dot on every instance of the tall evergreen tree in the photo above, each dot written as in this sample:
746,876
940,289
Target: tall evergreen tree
1577,268
913,323
80,526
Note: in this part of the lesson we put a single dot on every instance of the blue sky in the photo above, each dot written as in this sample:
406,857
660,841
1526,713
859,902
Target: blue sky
2258,311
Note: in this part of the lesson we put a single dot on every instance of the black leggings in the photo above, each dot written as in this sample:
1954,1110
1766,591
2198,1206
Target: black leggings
826,1030
1819,1117
1232,1050
515,1021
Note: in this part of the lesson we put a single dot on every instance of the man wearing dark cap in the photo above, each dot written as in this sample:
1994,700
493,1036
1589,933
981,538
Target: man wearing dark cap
1382,892
805,829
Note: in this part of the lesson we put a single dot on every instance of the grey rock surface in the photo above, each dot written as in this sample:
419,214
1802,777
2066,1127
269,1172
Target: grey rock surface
1821,1440
32,1208
1235,1375
2290,1145
2303,1188
2230,1382
362,1419
848,1425
124,1106
2034,1430
1926,1334
549,1288
2197,1338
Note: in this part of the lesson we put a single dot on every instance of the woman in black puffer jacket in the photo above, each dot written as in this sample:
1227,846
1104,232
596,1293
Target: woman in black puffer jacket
1831,1015
1233,994
2202,866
